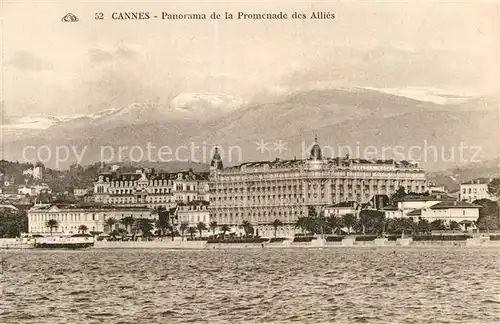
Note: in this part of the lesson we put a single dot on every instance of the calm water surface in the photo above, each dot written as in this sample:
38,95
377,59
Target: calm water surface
434,285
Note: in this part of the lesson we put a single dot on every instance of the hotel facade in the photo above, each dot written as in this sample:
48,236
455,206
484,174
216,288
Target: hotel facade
260,192
149,189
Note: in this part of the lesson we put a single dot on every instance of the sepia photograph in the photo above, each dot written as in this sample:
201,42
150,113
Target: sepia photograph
249,161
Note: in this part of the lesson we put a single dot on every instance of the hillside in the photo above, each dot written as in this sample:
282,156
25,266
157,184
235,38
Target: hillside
453,177
358,118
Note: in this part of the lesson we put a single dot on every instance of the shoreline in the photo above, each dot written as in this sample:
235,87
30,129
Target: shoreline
319,243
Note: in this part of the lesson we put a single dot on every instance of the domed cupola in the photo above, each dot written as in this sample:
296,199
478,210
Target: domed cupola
316,151
216,160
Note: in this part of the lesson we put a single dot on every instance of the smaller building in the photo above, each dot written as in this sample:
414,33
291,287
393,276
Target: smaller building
193,212
25,190
435,207
80,192
6,204
410,203
392,212
34,190
475,190
464,213
36,171
434,189
10,193
69,218
343,208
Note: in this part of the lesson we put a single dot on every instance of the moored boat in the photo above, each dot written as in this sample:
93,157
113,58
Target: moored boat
76,241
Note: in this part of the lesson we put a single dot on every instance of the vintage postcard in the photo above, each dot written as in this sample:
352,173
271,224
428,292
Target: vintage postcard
249,161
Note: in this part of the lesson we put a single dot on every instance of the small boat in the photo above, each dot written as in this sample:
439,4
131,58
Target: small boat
76,241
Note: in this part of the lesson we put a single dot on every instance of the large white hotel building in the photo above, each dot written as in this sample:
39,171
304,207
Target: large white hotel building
260,192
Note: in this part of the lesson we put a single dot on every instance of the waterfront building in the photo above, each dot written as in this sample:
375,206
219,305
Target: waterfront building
434,207
150,189
475,190
70,217
260,192
342,208
193,212
409,203
464,213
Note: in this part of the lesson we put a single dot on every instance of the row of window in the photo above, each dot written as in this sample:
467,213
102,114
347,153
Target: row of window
221,190
63,217
193,219
225,219
400,176
475,190
63,229
71,217
153,199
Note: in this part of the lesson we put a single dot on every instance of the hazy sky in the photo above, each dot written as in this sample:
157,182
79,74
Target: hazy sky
66,68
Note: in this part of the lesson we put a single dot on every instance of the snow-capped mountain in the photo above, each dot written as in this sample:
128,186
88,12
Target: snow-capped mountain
354,116
427,94
191,103
35,122
186,105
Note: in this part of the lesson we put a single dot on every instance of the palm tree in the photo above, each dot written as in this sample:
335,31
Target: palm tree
111,222
372,221
95,233
224,228
114,234
192,230
128,221
276,223
246,227
437,225
394,226
146,226
183,228
121,232
82,228
51,224
333,223
349,220
302,223
171,229
162,223
320,223
454,226
201,227
423,225
213,227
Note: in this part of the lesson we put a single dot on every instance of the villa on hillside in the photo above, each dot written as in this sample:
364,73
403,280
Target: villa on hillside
475,190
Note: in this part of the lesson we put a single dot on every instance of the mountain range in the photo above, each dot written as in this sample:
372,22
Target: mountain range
401,122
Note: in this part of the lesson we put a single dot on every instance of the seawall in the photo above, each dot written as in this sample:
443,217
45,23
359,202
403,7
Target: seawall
8,243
